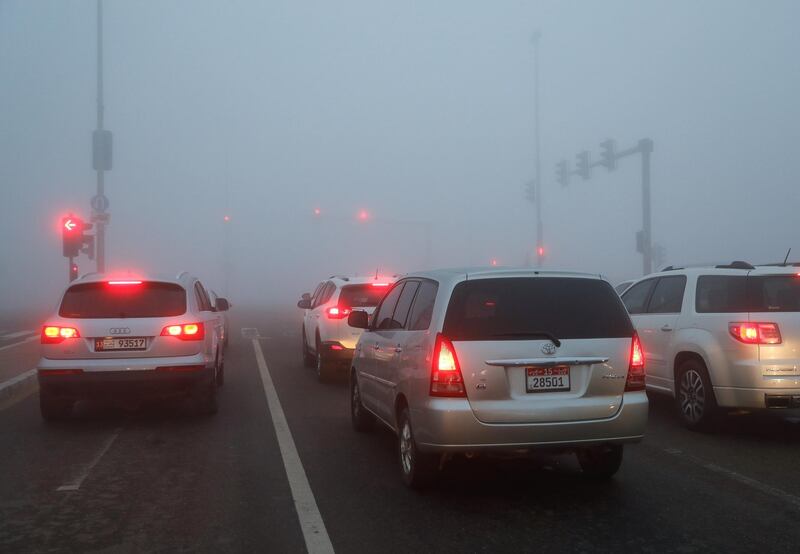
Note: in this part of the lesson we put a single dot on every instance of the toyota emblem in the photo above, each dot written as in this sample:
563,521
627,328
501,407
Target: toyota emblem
548,348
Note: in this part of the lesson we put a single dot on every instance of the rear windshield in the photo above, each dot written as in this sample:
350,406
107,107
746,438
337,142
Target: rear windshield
361,296
514,308
104,300
732,294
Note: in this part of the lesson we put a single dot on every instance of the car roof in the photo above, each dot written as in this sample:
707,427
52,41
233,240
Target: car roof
183,278
342,280
457,274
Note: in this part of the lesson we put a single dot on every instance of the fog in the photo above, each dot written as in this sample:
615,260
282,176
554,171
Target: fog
421,114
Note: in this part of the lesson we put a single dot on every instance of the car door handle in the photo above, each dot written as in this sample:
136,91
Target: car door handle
666,328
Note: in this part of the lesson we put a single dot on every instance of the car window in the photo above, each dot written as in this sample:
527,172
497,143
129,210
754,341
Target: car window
635,298
383,317
202,298
778,293
327,292
361,296
102,300
515,308
667,297
721,294
422,311
315,294
404,304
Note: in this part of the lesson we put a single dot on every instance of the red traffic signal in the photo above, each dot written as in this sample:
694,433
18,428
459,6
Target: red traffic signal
72,235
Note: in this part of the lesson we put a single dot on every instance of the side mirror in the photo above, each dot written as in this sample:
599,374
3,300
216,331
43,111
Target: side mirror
304,303
222,305
358,319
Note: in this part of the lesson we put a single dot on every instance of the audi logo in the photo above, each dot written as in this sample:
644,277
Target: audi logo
120,331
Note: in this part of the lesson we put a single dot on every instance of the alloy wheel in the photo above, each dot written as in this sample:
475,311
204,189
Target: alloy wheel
692,396
406,447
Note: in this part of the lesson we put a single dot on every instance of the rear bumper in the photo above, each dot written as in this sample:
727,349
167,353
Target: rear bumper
757,398
448,425
336,353
139,378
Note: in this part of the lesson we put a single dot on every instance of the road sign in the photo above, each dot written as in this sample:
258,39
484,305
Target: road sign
100,203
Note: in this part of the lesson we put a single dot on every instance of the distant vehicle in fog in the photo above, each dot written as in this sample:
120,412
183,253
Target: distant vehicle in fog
725,336
122,337
623,286
500,361
328,342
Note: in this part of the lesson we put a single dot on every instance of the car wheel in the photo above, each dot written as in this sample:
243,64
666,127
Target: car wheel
206,399
52,407
308,359
322,365
600,462
221,374
694,397
416,468
362,419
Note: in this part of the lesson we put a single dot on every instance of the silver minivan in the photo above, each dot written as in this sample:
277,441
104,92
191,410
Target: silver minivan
131,337
480,361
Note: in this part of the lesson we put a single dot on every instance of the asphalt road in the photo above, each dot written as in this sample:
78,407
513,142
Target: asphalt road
157,478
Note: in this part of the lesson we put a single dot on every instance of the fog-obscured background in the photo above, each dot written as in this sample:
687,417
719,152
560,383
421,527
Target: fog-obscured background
419,113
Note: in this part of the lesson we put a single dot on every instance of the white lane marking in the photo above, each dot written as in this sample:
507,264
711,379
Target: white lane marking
743,479
29,339
17,334
14,380
314,532
76,483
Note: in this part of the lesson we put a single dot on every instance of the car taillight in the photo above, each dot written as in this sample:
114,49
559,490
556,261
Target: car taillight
337,312
185,331
636,373
54,334
755,332
446,378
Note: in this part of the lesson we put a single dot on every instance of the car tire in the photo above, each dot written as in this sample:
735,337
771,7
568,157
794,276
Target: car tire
221,374
363,421
417,468
54,408
694,396
322,365
206,399
308,359
600,462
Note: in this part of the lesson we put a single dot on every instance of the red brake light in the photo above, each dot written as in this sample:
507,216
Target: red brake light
380,284
446,378
337,312
186,331
636,372
54,334
124,282
755,332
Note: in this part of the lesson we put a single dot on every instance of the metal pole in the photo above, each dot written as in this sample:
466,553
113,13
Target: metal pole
427,263
101,228
646,148
69,269
539,239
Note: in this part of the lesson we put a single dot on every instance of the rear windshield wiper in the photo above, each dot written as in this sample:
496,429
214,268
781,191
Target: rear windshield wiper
543,334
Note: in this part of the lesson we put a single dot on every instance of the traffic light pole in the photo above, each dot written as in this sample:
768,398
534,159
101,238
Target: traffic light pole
101,225
646,148
539,238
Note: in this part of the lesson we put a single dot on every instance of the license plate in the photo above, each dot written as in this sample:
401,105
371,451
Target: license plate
128,343
547,379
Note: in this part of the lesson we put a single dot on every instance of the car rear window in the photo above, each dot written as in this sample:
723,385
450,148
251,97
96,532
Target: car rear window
362,296
104,300
508,308
738,294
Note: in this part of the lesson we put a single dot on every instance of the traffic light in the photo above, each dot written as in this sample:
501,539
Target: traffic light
584,165
72,235
540,251
562,173
73,271
530,191
608,154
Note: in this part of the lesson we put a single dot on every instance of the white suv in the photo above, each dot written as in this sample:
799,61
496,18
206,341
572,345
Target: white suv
726,336
328,341
131,336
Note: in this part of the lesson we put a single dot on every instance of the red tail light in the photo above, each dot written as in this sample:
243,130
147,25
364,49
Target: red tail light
129,282
755,332
185,331
636,372
380,284
54,334
338,312
446,378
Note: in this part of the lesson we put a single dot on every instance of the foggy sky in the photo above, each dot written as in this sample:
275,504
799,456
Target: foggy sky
415,112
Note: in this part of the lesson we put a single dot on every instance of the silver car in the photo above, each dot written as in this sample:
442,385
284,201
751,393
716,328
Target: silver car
130,336
482,361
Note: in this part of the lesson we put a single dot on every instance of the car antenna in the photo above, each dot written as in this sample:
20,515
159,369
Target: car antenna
378,268
786,259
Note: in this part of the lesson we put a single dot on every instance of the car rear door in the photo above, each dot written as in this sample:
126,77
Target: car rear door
496,326
657,326
636,299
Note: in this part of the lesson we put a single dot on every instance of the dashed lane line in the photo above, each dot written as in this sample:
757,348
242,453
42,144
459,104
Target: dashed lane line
29,339
314,532
83,473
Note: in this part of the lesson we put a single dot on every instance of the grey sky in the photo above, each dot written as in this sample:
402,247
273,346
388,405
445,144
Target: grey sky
412,111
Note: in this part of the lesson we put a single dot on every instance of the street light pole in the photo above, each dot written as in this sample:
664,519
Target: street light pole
646,148
537,35
101,225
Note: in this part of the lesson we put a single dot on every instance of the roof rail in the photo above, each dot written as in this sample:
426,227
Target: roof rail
180,275
342,277
787,264
736,264
672,268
